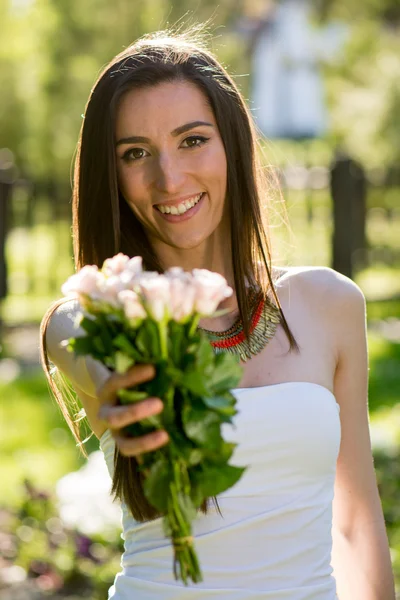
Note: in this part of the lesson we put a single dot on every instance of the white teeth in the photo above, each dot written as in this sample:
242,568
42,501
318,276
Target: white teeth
181,208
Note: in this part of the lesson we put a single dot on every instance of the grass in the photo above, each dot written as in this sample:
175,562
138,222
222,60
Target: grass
36,442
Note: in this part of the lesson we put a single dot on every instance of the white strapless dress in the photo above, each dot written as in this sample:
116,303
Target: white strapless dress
274,539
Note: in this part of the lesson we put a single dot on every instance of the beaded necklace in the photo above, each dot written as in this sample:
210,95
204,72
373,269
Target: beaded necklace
265,317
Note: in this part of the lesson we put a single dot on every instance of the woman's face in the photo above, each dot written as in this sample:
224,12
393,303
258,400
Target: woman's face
171,163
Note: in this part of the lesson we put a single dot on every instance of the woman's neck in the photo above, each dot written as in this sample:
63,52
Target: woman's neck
213,254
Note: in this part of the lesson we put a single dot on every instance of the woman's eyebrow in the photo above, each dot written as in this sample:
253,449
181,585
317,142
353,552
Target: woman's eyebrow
134,139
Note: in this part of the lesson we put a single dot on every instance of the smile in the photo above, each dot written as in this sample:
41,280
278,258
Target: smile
181,208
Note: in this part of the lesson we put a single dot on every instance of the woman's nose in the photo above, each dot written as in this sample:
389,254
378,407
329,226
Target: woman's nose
170,175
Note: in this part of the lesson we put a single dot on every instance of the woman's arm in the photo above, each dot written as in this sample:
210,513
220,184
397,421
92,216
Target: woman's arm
84,372
360,556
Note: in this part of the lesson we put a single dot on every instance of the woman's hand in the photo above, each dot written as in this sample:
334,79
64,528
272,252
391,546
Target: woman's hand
118,417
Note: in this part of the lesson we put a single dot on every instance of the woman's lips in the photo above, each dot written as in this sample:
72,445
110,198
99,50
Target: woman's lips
187,215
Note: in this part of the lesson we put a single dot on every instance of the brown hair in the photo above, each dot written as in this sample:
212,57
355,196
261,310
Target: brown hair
104,224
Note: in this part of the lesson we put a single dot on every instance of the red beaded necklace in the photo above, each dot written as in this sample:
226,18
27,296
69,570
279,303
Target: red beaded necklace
265,318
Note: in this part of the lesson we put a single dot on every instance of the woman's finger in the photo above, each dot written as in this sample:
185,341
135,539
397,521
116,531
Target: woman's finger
140,445
107,392
117,417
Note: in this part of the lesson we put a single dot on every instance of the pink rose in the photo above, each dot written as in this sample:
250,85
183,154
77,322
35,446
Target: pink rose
110,289
85,281
210,289
115,265
155,289
132,270
182,294
134,265
132,307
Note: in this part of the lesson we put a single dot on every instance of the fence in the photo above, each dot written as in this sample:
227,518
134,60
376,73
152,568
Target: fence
359,227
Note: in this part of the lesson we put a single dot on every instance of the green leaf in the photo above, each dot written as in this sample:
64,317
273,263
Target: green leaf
196,494
174,374
89,325
161,383
225,452
145,341
221,404
148,339
226,374
176,335
123,362
123,343
82,345
196,382
201,426
99,345
194,456
204,355
214,480
157,484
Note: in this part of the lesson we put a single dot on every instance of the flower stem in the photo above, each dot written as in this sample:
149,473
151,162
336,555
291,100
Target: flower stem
163,329
194,325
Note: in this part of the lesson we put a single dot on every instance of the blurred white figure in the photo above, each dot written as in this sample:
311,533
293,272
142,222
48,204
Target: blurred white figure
288,96
84,498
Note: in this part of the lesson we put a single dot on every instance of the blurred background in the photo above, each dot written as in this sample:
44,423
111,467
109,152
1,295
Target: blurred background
322,80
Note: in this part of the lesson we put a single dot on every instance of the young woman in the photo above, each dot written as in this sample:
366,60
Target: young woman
167,168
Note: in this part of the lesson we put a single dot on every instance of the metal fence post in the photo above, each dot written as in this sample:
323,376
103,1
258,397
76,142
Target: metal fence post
348,186
6,183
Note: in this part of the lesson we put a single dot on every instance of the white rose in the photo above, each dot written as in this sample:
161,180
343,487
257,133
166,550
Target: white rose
133,308
134,265
109,290
115,265
86,281
182,293
210,289
155,289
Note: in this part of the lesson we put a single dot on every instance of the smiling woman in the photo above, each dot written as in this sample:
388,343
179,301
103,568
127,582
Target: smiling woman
172,169
167,169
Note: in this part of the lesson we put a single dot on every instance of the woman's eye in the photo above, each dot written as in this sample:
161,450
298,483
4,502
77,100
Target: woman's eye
134,154
194,141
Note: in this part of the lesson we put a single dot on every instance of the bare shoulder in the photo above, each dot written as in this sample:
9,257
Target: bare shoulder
321,284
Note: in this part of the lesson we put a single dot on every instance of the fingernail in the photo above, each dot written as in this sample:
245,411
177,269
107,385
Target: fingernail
156,405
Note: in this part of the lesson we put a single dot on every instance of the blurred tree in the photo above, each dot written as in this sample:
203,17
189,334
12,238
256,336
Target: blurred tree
386,11
363,83
12,108
53,51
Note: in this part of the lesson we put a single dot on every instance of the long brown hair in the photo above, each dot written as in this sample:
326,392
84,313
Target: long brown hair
104,224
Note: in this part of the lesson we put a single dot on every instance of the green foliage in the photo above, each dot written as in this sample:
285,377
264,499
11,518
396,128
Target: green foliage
384,11
193,465
363,92
384,374
51,53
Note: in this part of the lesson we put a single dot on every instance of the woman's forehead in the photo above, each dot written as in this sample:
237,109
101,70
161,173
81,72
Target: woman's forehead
168,105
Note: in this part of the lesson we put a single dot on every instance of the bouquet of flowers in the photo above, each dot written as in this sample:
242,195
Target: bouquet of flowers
132,316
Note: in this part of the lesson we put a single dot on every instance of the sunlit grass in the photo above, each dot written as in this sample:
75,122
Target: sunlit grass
35,442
